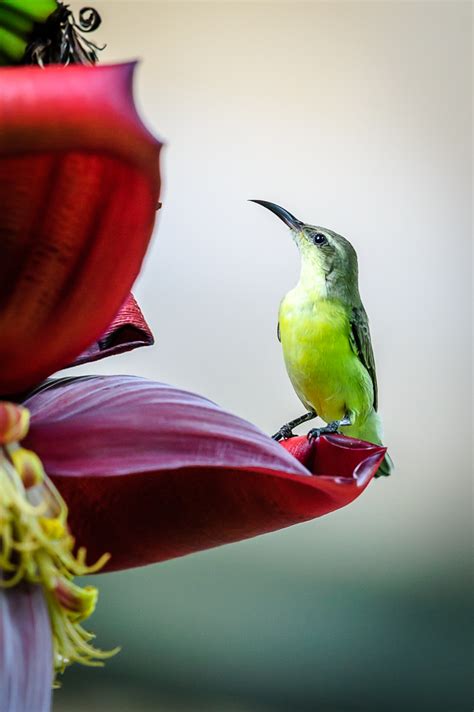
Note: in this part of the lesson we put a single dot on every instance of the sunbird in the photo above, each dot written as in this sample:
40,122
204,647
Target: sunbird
324,332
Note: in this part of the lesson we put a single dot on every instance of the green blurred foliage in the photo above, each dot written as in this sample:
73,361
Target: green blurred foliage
232,631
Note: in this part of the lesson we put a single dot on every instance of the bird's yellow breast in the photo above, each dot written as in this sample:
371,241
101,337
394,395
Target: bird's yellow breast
324,370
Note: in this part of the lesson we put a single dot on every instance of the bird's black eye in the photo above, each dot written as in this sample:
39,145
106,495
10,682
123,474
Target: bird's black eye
318,238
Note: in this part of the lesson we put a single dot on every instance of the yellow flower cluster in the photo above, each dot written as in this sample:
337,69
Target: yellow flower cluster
36,546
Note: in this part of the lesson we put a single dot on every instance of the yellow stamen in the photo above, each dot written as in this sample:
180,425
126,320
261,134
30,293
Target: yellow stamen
36,546
27,464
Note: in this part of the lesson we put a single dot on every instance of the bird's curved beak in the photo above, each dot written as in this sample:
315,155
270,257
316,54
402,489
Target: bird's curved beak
283,214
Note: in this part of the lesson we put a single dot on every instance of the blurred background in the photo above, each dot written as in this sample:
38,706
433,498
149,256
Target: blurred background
355,116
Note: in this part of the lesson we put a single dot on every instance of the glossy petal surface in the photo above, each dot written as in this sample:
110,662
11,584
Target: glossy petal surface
79,187
127,331
151,472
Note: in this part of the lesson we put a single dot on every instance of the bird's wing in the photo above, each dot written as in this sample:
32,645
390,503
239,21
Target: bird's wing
362,344
278,332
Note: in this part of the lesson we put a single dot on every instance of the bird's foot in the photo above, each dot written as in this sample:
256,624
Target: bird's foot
328,429
316,433
284,433
286,430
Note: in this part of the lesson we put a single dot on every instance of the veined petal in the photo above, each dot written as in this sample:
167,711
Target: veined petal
26,653
79,188
151,472
127,331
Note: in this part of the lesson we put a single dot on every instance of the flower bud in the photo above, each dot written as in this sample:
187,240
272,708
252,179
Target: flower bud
14,422
79,602
28,465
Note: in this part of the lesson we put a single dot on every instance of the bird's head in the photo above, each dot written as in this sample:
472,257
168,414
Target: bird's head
323,251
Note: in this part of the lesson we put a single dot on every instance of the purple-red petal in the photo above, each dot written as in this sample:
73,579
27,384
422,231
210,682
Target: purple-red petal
127,331
26,651
79,188
151,472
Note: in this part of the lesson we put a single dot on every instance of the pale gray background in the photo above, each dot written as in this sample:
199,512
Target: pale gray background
356,116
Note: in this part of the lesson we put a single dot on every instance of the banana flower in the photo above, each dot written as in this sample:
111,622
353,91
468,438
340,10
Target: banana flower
130,470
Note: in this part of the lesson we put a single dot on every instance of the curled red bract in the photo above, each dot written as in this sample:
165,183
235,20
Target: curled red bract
128,330
151,472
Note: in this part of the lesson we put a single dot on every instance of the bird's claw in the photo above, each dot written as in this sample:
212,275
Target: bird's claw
284,433
330,428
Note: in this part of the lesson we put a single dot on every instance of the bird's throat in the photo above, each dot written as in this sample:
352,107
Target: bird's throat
312,278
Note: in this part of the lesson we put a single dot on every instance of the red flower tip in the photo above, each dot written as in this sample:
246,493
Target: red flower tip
127,331
58,108
336,456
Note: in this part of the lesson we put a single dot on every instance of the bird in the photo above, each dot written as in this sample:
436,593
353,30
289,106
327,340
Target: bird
324,332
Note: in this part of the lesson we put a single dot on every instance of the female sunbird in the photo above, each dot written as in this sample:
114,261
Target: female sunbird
324,332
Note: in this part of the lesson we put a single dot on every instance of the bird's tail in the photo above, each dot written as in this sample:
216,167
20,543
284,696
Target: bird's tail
371,430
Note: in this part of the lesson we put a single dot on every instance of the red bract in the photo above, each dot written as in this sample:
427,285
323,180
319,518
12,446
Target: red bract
127,331
151,472
79,187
